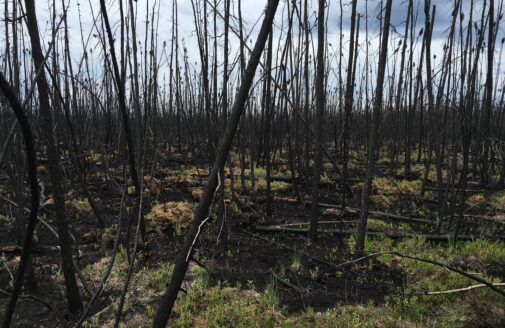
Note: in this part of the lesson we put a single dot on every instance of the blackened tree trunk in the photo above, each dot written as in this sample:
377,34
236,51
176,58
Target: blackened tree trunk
267,102
306,151
320,102
11,96
484,176
53,162
399,90
120,86
377,104
349,99
202,212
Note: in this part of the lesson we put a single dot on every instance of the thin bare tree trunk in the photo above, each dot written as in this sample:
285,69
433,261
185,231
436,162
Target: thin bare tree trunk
320,103
120,86
377,104
349,99
488,105
202,212
53,158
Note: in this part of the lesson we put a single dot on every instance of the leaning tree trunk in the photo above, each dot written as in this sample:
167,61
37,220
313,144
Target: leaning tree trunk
202,212
11,96
120,85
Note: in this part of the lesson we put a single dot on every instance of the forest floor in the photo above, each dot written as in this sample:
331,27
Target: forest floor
268,275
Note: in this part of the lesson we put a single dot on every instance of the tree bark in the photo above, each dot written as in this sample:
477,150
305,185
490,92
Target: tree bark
11,96
202,212
377,104
320,103
53,158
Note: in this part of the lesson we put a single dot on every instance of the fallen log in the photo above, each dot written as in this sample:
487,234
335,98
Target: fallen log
287,283
478,217
389,234
457,186
379,214
38,249
471,191
320,222
275,198
31,297
297,251
285,178
55,234
452,291
424,199
40,219
484,218
289,179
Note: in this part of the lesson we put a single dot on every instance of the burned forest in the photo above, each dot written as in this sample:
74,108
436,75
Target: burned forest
252,163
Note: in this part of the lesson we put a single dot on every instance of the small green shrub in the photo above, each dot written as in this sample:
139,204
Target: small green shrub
159,277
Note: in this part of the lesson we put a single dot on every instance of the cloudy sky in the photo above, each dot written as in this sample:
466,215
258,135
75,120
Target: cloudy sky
82,13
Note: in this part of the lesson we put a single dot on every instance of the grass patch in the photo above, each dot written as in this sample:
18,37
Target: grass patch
486,251
261,184
448,310
385,191
158,278
475,200
226,306
498,201
380,225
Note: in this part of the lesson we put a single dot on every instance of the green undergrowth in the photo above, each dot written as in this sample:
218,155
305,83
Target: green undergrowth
225,305
380,225
158,278
261,182
261,185
233,306
461,309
